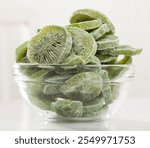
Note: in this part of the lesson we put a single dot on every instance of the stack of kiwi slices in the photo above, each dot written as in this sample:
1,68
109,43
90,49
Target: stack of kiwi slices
64,62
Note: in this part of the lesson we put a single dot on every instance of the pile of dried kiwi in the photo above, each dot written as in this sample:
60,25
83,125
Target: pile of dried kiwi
65,64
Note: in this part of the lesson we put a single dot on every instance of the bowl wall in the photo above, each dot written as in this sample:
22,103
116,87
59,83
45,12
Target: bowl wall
74,92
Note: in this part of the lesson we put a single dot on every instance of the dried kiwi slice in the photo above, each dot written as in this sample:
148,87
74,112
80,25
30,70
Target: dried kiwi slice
57,79
37,98
83,46
40,74
106,89
93,110
67,108
51,45
100,32
42,103
74,60
105,58
108,42
118,71
125,60
51,89
83,86
121,50
107,52
25,60
94,60
88,25
54,83
89,14
21,52
127,50
115,89
27,69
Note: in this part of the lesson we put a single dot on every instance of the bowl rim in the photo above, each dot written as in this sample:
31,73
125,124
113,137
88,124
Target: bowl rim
126,78
16,65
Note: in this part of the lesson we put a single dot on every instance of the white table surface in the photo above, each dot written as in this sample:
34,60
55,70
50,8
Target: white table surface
134,115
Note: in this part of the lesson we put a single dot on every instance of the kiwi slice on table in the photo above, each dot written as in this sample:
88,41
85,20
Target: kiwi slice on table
51,45
83,46
90,14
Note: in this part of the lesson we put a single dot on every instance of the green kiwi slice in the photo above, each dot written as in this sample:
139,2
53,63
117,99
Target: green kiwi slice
127,50
90,14
51,89
121,50
94,109
87,25
115,89
67,108
100,32
39,75
108,42
37,98
106,89
94,60
105,58
83,86
74,60
25,60
107,52
125,60
51,45
21,52
42,103
83,46
118,71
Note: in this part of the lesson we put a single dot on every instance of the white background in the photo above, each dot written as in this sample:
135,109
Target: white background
130,17
132,21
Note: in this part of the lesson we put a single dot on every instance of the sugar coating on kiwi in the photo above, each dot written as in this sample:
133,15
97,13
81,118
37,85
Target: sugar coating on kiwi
51,45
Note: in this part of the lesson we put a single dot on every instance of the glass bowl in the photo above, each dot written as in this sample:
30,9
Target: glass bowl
78,92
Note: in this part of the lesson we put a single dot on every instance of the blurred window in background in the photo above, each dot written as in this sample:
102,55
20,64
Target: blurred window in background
12,33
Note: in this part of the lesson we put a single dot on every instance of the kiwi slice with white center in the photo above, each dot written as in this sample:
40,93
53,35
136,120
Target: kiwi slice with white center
51,45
